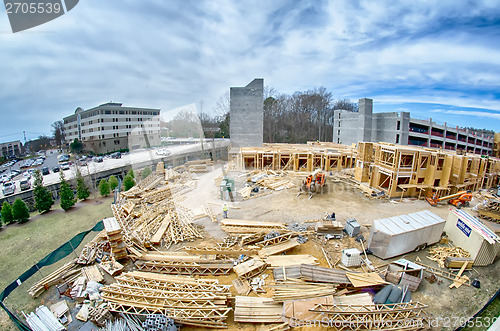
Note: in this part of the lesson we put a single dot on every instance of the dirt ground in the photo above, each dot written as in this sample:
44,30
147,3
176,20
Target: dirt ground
446,306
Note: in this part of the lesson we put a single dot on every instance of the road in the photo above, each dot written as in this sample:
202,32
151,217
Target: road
108,163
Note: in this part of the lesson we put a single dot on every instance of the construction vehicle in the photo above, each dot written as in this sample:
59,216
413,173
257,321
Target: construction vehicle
458,199
314,183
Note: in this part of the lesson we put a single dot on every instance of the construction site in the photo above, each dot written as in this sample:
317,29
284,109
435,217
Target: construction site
289,237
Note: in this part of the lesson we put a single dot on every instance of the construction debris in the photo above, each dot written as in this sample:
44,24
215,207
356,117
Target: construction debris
67,273
439,254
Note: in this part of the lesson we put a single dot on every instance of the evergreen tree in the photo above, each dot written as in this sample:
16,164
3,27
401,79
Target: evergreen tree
43,198
145,172
82,190
128,182
113,182
7,216
104,187
66,193
131,173
20,211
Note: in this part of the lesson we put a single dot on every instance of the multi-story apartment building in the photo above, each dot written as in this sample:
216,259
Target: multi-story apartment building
399,128
111,127
11,148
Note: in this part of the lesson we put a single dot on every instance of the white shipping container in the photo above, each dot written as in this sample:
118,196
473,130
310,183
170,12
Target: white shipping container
468,232
393,236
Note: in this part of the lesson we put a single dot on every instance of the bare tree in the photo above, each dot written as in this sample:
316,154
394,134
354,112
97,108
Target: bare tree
58,132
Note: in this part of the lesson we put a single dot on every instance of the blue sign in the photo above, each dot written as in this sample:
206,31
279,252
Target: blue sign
464,227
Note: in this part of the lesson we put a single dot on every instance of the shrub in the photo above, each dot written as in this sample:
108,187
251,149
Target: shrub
104,187
20,211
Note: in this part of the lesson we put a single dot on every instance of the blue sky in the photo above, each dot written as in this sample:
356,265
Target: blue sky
438,59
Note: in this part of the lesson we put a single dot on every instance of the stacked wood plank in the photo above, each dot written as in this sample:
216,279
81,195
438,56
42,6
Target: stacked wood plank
439,254
367,279
278,261
250,268
279,248
67,273
452,262
186,300
247,226
329,227
257,310
297,289
276,183
312,273
114,234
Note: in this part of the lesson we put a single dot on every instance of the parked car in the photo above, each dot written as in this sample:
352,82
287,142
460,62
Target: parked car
45,171
65,166
9,188
116,155
55,169
98,159
25,184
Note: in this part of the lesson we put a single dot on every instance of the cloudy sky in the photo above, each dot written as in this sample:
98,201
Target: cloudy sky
438,59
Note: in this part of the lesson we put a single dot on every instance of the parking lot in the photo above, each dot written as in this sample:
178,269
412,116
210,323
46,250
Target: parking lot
91,166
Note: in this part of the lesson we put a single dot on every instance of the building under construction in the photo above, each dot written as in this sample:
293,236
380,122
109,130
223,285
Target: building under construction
296,157
398,171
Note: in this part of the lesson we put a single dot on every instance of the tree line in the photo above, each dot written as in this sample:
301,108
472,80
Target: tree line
288,118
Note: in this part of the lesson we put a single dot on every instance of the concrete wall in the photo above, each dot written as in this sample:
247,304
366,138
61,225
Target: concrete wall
346,127
247,114
385,128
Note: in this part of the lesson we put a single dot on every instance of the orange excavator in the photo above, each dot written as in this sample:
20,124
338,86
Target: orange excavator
458,199
313,183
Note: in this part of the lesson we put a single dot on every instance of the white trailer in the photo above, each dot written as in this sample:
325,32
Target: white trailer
398,235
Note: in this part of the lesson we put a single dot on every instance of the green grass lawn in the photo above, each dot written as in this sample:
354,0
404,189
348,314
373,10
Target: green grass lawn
22,245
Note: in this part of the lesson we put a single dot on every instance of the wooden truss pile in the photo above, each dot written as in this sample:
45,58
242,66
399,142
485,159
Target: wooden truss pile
246,226
180,264
312,273
399,316
186,300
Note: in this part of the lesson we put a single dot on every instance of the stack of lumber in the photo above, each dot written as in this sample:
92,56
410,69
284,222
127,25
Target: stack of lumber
171,174
312,273
187,300
245,192
439,254
457,262
112,267
257,310
183,264
329,227
247,226
114,234
279,248
92,273
297,289
250,268
94,249
197,168
367,279
278,261
490,208
67,273
275,183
